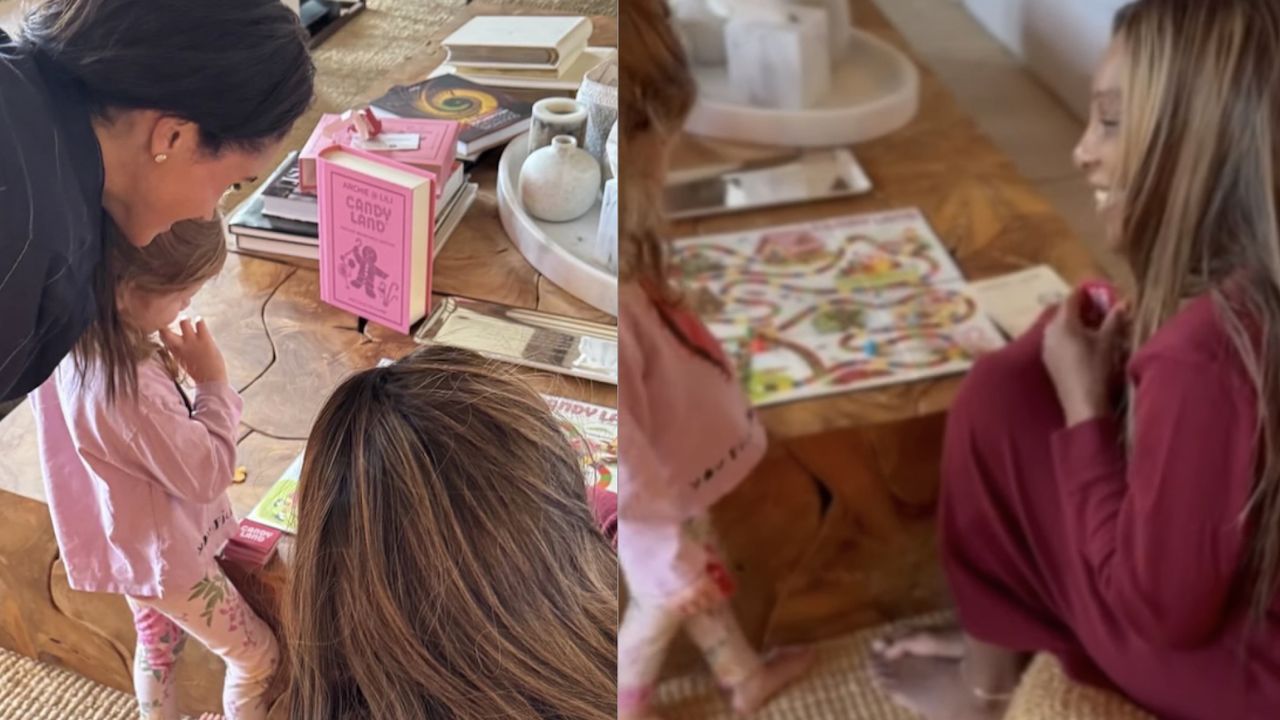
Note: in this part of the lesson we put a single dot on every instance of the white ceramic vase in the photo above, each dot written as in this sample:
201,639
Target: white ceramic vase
611,150
557,116
599,93
605,248
560,182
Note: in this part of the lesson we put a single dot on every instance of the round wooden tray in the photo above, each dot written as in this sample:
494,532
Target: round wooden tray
874,91
558,250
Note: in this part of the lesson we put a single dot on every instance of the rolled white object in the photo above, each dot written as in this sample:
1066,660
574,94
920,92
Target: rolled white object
780,64
605,250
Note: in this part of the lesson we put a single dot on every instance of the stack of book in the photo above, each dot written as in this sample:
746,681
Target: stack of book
281,221
489,117
547,54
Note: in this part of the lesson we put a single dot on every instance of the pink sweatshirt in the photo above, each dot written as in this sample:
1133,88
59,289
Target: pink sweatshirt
138,489
688,436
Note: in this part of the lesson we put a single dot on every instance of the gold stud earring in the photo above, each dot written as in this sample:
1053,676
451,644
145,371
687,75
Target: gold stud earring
161,157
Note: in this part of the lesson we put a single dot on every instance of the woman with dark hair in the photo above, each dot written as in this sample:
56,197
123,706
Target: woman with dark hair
136,112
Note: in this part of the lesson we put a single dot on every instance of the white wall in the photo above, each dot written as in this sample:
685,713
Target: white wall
1060,40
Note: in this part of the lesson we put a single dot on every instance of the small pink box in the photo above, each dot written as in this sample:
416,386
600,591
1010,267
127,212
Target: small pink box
437,146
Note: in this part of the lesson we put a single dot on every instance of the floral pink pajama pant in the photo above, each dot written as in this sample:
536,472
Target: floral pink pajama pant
214,612
651,623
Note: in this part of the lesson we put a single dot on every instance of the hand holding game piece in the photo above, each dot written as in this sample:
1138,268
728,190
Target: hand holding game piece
1097,301
1080,358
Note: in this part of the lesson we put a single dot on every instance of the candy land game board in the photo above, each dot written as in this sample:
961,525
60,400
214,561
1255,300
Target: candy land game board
593,432
834,306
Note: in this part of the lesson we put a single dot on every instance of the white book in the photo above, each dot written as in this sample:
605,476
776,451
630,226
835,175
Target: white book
253,244
530,41
568,79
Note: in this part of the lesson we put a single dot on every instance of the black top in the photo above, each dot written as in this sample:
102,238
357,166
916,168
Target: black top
51,217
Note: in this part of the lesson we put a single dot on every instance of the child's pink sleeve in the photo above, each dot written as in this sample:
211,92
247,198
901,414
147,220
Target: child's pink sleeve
192,455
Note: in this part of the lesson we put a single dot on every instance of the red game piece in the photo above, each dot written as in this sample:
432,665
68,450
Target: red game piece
1099,298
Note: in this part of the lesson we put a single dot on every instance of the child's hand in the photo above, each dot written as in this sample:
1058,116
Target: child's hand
196,351
1080,360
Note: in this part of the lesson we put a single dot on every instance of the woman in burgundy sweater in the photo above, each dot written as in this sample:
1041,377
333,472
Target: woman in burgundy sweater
1122,510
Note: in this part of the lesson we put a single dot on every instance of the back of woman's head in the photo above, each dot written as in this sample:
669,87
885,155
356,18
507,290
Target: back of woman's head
1199,145
239,69
189,254
656,93
447,564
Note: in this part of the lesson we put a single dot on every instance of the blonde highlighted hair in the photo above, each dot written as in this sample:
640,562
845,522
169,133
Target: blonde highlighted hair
1198,170
447,564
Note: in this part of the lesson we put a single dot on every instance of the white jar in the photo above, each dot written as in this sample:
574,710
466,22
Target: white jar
560,182
611,150
557,116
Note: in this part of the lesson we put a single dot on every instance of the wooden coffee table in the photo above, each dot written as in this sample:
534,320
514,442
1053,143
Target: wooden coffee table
834,531
286,351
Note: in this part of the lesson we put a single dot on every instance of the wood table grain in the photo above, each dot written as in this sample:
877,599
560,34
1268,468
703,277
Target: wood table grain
835,531
286,351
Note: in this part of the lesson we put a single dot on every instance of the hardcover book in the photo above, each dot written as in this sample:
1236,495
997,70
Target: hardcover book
518,41
377,227
432,148
488,117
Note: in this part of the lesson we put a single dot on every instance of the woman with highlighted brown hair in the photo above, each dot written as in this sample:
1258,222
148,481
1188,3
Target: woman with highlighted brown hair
447,565
1121,509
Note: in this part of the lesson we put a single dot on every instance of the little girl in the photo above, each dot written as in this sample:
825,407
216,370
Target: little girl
688,434
136,472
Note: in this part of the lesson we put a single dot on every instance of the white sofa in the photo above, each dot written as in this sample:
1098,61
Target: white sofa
1061,41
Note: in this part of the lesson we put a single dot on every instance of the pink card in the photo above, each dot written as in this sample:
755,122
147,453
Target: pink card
373,248
257,537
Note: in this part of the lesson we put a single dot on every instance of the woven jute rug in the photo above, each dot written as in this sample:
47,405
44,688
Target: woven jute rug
841,687
31,690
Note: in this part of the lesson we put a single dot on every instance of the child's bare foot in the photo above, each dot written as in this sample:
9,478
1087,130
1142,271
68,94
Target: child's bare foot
635,705
781,668
946,642
925,672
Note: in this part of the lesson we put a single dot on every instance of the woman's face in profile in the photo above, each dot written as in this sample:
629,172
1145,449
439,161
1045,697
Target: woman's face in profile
189,184
1098,152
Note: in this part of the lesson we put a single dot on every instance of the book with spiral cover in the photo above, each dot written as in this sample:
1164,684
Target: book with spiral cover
488,117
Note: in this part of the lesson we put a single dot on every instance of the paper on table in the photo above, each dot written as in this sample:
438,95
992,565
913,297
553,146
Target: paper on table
389,141
1015,301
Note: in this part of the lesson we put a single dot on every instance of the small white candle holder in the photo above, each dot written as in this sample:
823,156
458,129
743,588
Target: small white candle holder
605,249
780,59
